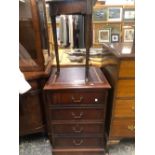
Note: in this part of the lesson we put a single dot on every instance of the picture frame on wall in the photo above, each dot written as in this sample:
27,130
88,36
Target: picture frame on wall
100,14
114,38
128,14
104,35
128,35
115,14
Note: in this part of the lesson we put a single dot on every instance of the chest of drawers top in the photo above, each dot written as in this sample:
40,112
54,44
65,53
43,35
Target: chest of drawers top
74,78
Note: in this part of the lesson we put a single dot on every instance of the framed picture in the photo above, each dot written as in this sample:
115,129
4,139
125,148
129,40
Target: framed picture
114,14
104,35
128,35
114,38
128,14
100,14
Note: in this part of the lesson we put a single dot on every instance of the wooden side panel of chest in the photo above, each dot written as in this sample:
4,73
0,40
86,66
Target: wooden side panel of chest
123,112
31,113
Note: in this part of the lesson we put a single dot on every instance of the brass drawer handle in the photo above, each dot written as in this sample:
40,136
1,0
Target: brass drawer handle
77,116
133,108
77,129
77,100
77,143
131,127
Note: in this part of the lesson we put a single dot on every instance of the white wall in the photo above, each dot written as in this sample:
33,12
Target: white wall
117,2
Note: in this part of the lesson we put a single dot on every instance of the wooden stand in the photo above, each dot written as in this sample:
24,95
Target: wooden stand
66,7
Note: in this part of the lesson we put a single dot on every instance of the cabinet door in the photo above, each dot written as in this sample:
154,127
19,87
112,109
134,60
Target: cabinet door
31,113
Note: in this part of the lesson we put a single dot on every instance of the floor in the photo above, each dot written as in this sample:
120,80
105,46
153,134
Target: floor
40,145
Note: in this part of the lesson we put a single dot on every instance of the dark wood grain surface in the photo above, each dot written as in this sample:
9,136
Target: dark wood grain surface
76,97
31,116
76,111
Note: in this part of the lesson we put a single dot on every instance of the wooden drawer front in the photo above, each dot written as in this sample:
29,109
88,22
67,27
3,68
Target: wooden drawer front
127,68
78,98
124,108
77,114
122,128
78,128
89,151
126,88
78,142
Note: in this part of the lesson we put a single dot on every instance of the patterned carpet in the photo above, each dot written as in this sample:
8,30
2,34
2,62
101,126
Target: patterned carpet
40,145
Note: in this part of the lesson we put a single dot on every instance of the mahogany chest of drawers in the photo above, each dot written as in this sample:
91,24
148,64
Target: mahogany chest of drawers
76,110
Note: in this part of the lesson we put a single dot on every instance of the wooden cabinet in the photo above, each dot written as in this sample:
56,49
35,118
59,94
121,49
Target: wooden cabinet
123,113
121,107
76,111
35,63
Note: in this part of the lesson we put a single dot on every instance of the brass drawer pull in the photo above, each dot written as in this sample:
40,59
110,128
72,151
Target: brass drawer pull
77,143
131,127
133,108
77,116
77,100
77,129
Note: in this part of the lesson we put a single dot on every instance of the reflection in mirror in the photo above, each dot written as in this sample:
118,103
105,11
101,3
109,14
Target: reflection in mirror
70,31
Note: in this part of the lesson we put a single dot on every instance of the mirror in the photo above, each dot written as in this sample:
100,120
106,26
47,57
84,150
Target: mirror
112,21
